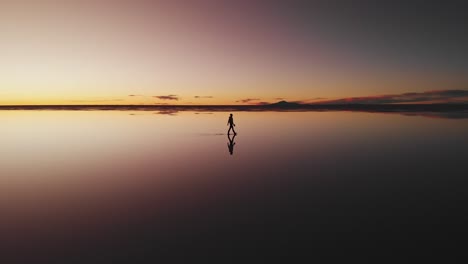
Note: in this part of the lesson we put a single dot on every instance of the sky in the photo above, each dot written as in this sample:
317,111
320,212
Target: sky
228,52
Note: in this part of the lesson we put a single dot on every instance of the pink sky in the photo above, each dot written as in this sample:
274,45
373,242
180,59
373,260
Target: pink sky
203,52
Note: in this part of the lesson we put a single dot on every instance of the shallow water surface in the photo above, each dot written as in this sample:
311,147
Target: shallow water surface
141,179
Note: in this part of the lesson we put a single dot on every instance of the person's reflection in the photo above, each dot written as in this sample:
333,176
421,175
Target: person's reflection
231,143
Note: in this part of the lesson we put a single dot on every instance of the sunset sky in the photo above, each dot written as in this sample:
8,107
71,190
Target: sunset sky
228,52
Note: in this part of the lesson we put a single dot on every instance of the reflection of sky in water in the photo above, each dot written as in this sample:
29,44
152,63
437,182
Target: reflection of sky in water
87,167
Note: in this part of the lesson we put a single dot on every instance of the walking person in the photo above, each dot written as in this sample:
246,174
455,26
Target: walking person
231,125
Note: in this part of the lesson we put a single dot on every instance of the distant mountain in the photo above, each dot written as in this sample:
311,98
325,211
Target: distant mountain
284,104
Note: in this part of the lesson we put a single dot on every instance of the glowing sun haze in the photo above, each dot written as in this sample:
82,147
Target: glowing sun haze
218,52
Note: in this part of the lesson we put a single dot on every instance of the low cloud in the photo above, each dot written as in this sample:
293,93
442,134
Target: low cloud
439,96
203,96
167,97
247,100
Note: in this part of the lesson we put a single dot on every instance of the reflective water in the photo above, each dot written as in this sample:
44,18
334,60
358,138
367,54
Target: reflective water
138,181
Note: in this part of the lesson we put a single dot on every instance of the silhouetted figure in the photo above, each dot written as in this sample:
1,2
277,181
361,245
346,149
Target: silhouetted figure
231,125
231,143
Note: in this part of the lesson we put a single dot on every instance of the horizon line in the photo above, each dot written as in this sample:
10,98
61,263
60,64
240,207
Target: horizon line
287,104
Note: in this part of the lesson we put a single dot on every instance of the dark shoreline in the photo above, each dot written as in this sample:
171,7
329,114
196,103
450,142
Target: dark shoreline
222,108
